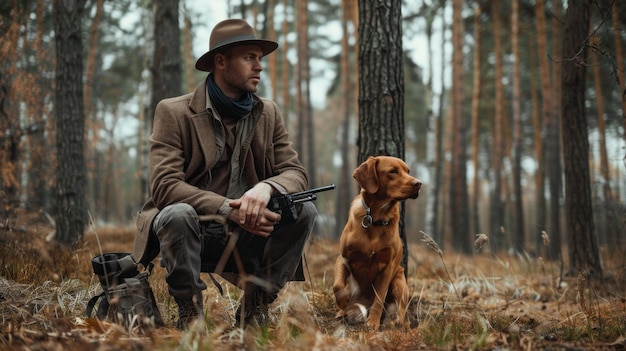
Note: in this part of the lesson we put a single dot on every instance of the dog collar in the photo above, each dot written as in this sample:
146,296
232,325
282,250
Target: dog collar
368,221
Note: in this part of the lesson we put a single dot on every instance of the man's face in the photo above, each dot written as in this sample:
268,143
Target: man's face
240,71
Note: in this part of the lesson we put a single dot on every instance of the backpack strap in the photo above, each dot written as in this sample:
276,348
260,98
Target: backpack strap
103,308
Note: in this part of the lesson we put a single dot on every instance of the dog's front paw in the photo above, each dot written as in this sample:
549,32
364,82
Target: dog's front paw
373,324
355,314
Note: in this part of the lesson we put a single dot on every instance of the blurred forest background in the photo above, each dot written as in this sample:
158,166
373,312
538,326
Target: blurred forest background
483,119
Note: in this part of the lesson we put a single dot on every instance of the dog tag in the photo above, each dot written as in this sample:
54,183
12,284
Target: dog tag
366,222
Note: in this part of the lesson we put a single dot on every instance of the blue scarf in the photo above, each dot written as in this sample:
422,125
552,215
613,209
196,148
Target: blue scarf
227,107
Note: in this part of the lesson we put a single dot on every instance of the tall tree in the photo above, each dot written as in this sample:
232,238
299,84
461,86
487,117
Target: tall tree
459,217
345,183
610,218
550,123
497,211
10,127
40,160
91,124
285,64
438,215
304,108
583,249
166,69
540,199
430,15
272,59
619,57
554,249
71,213
381,85
476,92
518,207
188,56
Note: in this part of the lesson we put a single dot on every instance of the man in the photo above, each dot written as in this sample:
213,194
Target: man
217,155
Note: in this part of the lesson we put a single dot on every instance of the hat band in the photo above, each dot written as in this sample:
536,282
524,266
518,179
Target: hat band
234,40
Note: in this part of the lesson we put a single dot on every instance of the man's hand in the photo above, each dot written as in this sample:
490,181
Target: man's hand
251,212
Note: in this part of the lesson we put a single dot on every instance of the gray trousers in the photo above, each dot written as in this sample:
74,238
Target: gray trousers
189,247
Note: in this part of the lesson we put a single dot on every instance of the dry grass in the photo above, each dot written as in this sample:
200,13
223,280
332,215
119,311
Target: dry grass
479,302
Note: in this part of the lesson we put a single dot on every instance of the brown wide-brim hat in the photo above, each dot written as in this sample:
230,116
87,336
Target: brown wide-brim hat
229,33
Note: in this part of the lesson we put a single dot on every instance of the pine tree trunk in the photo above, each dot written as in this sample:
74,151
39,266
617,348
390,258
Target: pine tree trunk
71,210
497,217
431,132
518,206
92,126
477,89
286,73
619,58
439,211
38,193
345,183
610,236
272,60
188,55
540,199
381,87
554,248
459,217
167,69
618,240
550,123
582,241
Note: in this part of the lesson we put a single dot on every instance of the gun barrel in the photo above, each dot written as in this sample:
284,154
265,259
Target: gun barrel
315,190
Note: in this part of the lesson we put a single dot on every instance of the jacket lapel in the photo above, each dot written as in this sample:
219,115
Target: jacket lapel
211,144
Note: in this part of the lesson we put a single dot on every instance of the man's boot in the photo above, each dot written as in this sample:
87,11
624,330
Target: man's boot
189,309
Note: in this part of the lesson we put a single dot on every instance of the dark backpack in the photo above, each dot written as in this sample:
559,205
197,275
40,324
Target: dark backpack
126,297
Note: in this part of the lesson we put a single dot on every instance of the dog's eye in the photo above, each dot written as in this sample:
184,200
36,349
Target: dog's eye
393,171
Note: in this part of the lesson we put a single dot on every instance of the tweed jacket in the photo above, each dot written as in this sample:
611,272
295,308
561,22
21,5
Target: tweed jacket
188,139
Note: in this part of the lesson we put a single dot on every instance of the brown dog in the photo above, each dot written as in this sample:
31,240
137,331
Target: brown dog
368,273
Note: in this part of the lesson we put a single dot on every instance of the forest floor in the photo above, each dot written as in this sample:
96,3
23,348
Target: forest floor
457,302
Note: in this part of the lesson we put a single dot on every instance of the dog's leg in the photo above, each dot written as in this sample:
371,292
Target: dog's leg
399,295
381,287
341,286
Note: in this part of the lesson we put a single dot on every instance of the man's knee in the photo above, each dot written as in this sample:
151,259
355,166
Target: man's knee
308,213
175,215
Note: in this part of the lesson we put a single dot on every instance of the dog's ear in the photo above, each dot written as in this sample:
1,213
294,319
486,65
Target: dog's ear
366,175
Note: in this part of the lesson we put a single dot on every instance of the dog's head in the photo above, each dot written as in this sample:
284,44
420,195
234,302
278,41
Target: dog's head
387,176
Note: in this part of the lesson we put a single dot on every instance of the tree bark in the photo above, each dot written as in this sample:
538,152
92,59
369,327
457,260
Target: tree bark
39,144
459,217
518,203
554,249
381,86
306,130
610,221
166,69
345,183
476,92
71,213
539,176
91,127
496,211
439,211
582,241
286,101
550,124
619,58
272,60
188,55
